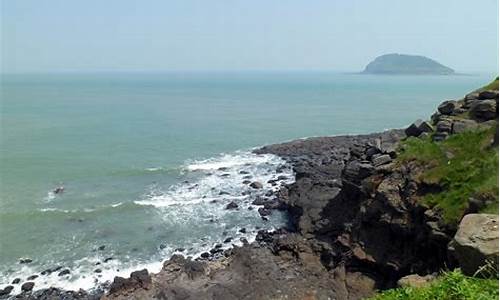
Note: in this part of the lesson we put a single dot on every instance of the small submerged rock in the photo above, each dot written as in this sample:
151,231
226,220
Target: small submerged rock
64,272
232,205
256,185
25,260
16,281
32,277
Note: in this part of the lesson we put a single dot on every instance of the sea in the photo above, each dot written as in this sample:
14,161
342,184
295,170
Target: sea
149,161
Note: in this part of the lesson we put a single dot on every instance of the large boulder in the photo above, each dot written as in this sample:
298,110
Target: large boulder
463,125
417,127
476,243
448,107
484,110
489,94
444,125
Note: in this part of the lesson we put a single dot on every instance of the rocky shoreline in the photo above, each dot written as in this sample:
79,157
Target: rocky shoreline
356,224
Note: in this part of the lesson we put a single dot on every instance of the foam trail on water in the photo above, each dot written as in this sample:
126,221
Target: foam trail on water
194,209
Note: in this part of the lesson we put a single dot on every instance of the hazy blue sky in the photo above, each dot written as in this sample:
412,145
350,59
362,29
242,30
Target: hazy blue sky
116,35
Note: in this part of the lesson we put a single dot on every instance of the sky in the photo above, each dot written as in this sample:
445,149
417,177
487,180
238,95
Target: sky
234,35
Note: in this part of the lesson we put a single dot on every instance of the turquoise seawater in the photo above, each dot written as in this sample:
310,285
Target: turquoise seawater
149,161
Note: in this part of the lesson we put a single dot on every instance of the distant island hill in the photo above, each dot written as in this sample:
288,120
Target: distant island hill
406,65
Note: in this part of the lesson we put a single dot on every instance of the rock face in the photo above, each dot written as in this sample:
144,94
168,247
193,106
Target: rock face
476,242
406,64
252,272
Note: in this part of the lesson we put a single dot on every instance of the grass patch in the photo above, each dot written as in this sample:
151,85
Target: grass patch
462,166
449,286
491,86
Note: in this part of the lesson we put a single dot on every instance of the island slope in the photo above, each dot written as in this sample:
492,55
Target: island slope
406,64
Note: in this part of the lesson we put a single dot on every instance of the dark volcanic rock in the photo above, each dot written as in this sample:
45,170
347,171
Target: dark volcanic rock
256,185
447,107
25,260
64,272
484,110
5,291
27,286
232,205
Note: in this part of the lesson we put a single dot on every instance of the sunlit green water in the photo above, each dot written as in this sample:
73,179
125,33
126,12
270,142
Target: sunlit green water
121,145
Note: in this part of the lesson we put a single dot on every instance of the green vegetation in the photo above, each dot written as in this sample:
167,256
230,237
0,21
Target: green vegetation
491,86
463,166
449,286
406,64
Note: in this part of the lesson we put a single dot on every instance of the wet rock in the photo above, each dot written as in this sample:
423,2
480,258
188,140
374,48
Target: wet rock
476,243
16,281
5,291
232,205
447,107
163,246
25,260
108,259
246,181
205,255
223,193
415,280
32,277
243,230
256,185
97,271
264,212
484,110
64,272
228,240
180,249
27,286
244,172
101,248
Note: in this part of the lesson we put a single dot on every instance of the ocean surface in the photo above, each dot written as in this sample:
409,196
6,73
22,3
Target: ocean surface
149,161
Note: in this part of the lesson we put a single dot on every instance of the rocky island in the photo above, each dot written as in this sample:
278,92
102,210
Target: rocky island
368,213
406,64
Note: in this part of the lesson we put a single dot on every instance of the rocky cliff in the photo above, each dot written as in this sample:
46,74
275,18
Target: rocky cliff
358,223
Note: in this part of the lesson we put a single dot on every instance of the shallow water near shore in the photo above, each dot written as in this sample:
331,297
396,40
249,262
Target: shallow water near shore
149,161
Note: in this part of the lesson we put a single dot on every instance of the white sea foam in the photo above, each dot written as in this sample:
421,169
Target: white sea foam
199,202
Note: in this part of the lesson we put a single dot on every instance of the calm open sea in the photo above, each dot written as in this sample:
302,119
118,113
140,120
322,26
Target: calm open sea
149,161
